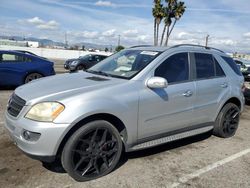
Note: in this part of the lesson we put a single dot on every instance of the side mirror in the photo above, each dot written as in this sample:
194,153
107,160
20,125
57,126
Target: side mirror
157,83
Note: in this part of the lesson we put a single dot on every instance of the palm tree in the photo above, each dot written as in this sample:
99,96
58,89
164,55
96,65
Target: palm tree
173,13
158,13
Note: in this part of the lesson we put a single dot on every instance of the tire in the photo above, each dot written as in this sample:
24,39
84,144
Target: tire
227,121
32,76
92,151
80,67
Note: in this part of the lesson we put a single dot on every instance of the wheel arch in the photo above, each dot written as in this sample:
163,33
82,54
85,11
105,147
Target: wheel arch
235,101
115,121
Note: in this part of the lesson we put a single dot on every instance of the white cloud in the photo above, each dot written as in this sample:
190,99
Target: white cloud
246,35
130,33
109,33
105,4
89,34
35,20
41,24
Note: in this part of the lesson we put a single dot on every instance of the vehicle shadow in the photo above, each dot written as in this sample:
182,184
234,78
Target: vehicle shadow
7,88
247,103
57,166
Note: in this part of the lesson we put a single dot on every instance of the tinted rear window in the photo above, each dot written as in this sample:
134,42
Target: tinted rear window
232,64
204,66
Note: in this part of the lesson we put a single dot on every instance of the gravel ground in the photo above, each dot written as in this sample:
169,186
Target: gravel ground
169,165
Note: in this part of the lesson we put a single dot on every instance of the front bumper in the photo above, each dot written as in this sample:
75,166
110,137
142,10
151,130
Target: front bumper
46,146
66,66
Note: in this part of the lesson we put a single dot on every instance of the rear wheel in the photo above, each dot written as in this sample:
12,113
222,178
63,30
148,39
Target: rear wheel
32,76
227,121
92,151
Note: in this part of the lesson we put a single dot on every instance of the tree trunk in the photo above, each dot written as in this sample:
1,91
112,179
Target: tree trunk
163,33
166,42
169,31
155,32
158,21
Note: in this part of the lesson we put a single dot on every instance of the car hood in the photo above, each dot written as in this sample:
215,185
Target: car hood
62,86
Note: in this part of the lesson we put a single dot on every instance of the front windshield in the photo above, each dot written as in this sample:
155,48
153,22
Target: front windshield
124,64
86,57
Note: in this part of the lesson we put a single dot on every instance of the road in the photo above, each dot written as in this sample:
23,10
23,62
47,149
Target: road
200,161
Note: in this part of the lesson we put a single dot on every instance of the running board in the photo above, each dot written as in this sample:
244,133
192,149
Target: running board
172,138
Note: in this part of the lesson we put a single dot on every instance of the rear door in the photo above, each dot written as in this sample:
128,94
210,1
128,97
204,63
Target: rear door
211,87
12,68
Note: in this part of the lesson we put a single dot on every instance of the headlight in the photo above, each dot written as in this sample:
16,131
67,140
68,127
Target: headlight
74,62
46,111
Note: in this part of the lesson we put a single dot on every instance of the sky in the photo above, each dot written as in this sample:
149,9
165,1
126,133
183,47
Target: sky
102,21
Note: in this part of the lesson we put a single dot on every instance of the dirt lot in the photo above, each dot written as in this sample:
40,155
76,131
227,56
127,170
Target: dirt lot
201,161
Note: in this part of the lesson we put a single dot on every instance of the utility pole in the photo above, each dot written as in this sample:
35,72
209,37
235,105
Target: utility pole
119,40
207,40
66,41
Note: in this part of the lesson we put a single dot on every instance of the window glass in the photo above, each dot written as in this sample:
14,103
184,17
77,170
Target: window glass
14,58
124,64
219,71
232,64
175,68
204,65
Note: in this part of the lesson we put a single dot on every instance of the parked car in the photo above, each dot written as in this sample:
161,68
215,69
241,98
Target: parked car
83,62
246,74
17,68
244,64
135,99
247,94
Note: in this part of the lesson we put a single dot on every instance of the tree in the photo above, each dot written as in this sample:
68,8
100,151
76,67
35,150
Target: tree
172,13
158,14
119,48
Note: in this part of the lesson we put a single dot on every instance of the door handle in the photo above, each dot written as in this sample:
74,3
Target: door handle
188,93
224,85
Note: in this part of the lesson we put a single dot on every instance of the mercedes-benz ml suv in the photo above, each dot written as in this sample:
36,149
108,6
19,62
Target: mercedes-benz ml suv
135,99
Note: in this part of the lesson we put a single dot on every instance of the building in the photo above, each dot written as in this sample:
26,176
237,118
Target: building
33,44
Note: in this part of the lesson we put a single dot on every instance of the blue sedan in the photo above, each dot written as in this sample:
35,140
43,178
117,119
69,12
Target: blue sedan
17,68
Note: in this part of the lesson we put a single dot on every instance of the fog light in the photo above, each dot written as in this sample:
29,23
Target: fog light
30,136
26,135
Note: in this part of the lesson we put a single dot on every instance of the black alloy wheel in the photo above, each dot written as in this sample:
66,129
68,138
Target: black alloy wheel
227,121
231,121
92,151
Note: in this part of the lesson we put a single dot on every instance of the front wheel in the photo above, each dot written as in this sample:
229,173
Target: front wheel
227,121
92,151
80,67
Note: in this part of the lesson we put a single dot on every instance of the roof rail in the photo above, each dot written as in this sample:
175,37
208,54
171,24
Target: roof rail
194,45
141,46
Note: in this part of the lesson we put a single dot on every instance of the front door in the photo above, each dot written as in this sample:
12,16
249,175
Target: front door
169,109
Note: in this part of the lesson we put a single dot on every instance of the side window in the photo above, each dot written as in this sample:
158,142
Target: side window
175,68
218,69
204,66
8,57
14,58
232,64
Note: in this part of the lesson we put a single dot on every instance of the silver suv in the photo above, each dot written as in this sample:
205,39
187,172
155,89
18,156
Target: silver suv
135,99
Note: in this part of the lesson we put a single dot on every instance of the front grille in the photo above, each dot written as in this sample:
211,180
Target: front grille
15,105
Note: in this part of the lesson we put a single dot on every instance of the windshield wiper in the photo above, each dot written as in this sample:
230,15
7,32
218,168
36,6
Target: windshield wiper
98,72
